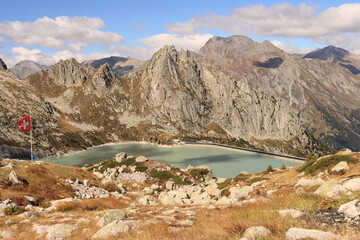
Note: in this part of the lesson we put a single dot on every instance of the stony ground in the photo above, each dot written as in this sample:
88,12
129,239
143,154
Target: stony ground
137,198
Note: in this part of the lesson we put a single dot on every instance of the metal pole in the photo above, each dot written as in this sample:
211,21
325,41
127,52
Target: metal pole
32,158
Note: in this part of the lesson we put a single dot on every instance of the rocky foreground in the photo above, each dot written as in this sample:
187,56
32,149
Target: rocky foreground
137,198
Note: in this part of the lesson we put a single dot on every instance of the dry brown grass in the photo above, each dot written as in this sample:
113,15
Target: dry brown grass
92,204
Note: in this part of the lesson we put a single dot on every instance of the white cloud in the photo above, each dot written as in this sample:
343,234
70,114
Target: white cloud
290,48
283,20
60,33
20,53
192,41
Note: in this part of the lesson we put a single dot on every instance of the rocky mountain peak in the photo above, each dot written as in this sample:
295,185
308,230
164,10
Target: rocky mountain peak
68,72
25,68
329,53
219,47
2,65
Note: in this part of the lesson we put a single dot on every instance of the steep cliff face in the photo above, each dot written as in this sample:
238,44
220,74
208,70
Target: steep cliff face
2,65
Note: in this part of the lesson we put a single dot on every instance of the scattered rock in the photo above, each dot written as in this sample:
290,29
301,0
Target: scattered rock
112,215
13,177
120,156
257,233
353,184
29,215
98,174
299,233
112,229
303,182
330,189
60,231
141,159
350,209
243,192
31,200
341,166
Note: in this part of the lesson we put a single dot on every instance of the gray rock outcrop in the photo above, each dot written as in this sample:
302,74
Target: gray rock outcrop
350,209
2,65
112,215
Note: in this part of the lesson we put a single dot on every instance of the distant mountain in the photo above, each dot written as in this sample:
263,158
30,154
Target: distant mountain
120,65
232,88
26,67
337,55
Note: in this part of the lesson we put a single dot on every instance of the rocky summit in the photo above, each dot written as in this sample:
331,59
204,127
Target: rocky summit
25,68
134,197
233,90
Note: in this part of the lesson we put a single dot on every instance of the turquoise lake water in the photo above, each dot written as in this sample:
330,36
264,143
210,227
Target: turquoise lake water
224,162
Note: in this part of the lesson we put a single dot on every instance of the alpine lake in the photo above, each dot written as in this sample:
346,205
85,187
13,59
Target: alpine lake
224,162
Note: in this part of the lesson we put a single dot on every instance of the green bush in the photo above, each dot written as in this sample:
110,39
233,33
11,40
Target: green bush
269,169
129,161
179,181
199,172
161,175
283,167
14,210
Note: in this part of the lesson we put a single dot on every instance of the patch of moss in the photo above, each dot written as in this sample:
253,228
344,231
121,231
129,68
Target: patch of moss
110,163
129,161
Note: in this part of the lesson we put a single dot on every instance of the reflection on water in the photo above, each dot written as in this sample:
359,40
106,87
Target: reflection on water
224,162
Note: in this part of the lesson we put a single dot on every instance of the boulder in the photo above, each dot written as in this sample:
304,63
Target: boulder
330,189
166,199
30,200
257,233
98,174
29,215
141,159
112,229
353,184
243,192
303,182
112,215
60,231
169,185
350,209
120,157
299,233
13,177
341,166
291,212
148,200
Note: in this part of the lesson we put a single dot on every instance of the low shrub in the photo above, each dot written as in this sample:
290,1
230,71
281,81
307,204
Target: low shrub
199,172
241,177
269,169
178,180
14,210
161,175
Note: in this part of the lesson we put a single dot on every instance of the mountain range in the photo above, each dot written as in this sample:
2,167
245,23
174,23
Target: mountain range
232,88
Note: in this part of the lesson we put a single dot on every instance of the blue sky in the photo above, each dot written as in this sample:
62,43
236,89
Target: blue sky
46,31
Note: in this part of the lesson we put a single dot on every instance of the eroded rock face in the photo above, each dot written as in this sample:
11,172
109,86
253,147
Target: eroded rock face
2,65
